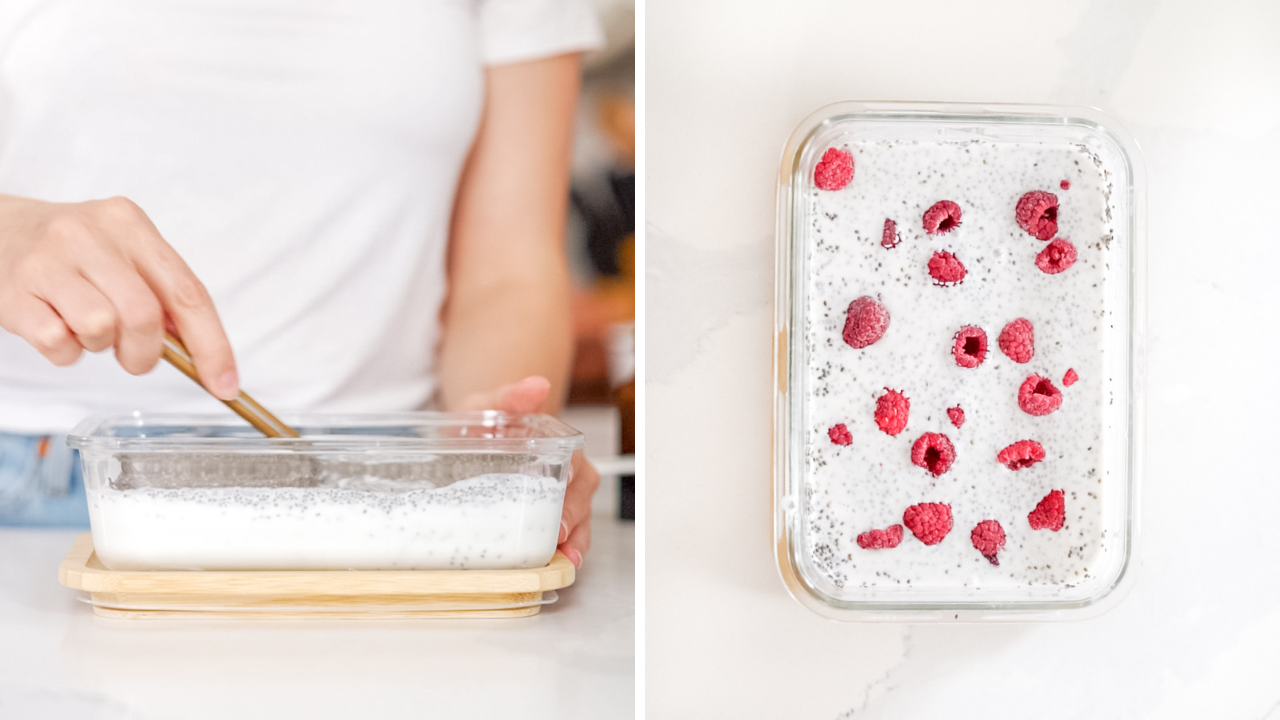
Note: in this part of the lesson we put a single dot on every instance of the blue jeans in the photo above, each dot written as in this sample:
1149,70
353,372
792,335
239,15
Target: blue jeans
41,484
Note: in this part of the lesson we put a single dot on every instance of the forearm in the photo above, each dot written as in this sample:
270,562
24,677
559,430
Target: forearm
507,314
517,326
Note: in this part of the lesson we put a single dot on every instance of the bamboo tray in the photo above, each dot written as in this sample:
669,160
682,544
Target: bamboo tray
282,594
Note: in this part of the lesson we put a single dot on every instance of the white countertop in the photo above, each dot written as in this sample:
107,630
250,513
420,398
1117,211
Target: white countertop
573,660
1198,84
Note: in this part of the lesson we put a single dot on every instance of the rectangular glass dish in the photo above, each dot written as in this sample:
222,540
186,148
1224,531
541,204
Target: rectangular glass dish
403,491
958,341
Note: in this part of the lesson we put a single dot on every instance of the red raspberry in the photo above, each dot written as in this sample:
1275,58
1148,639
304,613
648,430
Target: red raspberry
1056,257
956,414
1037,213
1022,454
933,452
1018,340
929,522
891,411
988,538
840,434
1070,378
946,269
943,217
1065,184
890,238
1050,512
865,322
835,170
1038,396
970,348
880,539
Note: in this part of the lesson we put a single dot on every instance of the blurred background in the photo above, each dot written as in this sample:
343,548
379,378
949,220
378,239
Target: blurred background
601,238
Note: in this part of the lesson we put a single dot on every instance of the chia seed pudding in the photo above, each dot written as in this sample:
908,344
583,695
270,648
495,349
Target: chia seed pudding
498,520
887,235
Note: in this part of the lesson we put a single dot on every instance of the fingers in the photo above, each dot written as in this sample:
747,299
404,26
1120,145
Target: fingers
575,528
97,274
576,547
84,309
519,398
187,302
33,320
139,319
527,396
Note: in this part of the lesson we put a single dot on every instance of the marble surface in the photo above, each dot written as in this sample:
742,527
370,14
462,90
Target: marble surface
58,660
1196,83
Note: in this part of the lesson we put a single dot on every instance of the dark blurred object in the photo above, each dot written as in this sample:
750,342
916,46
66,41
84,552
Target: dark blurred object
609,220
627,497
626,400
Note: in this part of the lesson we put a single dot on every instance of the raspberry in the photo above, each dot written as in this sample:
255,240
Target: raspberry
1056,257
988,538
891,411
835,170
970,348
1038,396
1022,454
1050,512
946,269
943,217
880,539
1018,340
1037,213
1065,184
929,522
956,414
933,452
1070,378
891,238
865,323
840,435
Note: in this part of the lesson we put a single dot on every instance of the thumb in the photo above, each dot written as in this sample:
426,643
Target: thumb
527,396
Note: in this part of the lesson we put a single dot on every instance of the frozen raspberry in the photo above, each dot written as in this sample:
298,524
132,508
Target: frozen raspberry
835,170
1065,184
929,522
880,539
943,217
988,538
933,452
1050,512
956,415
1018,340
1022,454
1037,213
891,411
1070,378
1038,396
1056,257
890,238
840,435
970,348
946,269
865,322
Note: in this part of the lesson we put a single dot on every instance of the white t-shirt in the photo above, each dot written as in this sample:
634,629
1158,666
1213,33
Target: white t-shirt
301,156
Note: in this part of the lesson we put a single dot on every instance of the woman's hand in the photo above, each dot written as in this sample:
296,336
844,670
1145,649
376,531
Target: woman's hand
97,275
530,396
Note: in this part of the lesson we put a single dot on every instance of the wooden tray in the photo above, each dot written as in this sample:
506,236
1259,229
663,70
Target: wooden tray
280,594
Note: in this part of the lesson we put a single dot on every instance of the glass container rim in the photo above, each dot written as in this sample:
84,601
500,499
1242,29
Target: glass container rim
547,434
